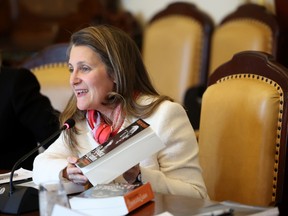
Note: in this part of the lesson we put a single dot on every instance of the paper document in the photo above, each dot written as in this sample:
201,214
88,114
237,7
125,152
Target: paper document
20,174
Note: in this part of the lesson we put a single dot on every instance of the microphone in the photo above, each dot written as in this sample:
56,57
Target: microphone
21,199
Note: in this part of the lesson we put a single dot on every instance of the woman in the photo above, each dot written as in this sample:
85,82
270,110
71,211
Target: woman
112,87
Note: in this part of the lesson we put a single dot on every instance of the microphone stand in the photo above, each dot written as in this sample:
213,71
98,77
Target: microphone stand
21,199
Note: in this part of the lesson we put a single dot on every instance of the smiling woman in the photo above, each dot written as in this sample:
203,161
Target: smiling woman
112,89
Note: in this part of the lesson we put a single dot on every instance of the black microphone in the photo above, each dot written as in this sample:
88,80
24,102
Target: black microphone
20,199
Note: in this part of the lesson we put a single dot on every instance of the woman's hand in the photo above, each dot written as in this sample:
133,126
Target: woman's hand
131,175
73,173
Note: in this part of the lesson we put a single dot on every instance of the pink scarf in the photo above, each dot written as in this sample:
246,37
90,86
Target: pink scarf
101,130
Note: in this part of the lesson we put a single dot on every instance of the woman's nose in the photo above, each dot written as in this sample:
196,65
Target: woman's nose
74,79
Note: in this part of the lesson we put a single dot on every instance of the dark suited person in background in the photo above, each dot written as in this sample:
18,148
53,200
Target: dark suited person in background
26,116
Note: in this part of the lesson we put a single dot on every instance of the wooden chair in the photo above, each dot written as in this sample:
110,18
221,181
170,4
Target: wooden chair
175,49
243,131
50,67
250,27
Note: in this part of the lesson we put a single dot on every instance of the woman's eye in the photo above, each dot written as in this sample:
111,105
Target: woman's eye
70,70
85,68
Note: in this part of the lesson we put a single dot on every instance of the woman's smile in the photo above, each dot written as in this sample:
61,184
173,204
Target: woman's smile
81,92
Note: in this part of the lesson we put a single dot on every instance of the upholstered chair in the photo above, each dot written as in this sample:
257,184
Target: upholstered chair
176,44
243,131
250,27
50,67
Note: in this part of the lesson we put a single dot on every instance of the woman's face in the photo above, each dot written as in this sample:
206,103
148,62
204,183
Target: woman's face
89,78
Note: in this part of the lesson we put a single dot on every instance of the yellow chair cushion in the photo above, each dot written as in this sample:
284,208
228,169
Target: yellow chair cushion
54,82
239,35
171,53
237,139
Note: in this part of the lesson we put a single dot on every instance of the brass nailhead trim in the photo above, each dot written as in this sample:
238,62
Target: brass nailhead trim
279,127
58,64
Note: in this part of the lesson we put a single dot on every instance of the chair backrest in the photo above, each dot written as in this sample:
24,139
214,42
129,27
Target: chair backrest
243,130
176,43
50,67
250,27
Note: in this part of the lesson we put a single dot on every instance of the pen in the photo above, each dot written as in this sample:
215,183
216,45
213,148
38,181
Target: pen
7,176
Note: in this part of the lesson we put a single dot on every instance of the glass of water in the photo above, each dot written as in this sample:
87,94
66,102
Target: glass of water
51,193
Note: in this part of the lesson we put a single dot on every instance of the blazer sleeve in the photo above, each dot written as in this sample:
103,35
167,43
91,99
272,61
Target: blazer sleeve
176,168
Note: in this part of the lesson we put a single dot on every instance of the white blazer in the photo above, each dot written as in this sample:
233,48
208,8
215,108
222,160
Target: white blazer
173,170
